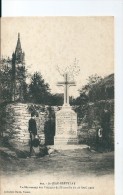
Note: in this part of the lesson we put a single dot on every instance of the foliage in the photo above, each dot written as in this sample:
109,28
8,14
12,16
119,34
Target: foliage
2,118
56,99
81,100
92,81
7,75
71,70
96,89
38,90
5,82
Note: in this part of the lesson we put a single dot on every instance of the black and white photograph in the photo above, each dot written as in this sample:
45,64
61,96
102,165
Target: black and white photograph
57,84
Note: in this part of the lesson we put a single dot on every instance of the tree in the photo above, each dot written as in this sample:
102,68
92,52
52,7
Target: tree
38,90
5,81
56,99
81,100
10,79
90,89
71,70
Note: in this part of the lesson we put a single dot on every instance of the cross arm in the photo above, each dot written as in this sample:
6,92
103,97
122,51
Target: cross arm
72,84
60,83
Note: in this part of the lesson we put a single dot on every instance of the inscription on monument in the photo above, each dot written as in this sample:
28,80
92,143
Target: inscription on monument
66,126
66,123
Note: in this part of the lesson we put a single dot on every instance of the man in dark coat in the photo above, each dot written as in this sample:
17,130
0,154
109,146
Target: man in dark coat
32,129
105,124
49,130
32,125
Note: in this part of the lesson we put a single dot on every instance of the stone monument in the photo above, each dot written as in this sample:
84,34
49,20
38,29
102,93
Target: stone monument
66,119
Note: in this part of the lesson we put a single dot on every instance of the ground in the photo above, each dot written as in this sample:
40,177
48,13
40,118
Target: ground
79,163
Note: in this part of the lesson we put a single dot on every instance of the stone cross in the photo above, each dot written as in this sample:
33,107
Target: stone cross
66,85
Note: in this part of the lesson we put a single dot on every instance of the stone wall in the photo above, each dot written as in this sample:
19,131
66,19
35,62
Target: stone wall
18,115
16,120
16,124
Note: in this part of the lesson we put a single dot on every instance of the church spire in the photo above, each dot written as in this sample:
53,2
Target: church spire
18,71
18,46
18,35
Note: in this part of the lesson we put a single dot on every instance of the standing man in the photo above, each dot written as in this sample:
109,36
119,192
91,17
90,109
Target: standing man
49,128
32,130
105,124
99,139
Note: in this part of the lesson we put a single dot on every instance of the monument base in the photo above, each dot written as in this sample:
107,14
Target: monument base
65,140
66,127
68,147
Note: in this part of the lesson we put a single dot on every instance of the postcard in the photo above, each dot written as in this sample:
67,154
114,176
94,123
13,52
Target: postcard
57,106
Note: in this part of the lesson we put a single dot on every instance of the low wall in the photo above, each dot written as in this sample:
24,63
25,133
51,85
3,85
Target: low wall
16,124
17,115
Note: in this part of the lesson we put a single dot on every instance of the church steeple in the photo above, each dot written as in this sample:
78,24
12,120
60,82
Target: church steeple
18,46
18,72
19,55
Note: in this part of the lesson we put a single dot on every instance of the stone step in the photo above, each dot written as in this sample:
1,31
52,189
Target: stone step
65,141
68,147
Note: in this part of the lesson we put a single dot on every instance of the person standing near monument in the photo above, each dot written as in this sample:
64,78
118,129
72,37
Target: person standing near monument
49,128
105,124
99,139
32,127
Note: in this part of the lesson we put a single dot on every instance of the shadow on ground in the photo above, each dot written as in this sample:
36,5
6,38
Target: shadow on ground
78,162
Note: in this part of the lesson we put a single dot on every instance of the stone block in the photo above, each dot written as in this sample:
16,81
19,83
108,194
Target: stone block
66,126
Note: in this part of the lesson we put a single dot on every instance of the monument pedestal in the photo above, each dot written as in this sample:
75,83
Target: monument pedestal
66,127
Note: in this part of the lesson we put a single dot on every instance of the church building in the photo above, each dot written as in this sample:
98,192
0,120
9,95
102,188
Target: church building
18,72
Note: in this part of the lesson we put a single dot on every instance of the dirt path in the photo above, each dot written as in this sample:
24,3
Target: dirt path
83,172
77,162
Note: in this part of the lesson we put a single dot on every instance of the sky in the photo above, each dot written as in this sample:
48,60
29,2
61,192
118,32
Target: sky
52,43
